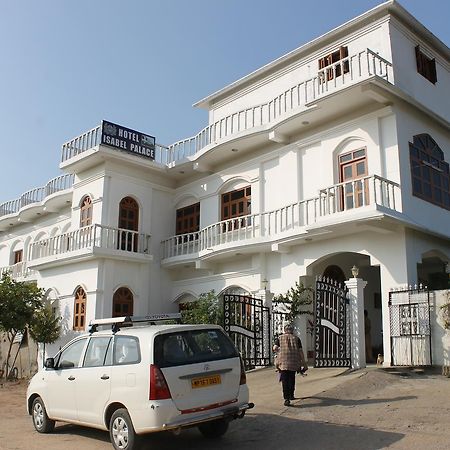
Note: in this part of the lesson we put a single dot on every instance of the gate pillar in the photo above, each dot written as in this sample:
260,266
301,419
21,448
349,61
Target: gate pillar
358,339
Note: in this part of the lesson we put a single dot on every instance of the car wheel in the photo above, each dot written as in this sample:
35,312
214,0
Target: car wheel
40,419
121,430
214,429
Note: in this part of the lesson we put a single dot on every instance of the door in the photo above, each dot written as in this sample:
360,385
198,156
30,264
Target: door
352,170
60,396
93,384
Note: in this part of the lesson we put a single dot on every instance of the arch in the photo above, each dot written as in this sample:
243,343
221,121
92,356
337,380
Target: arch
235,289
79,309
233,183
65,228
54,231
185,199
81,200
123,302
40,236
335,273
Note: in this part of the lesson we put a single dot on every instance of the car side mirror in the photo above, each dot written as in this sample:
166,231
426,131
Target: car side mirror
49,363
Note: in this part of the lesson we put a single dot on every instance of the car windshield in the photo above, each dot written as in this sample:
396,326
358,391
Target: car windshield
194,346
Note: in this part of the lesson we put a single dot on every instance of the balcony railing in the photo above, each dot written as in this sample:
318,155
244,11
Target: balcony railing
92,138
37,195
290,219
18,270
89,237
345,72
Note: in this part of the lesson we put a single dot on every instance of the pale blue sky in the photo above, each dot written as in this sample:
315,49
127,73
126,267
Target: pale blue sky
66,65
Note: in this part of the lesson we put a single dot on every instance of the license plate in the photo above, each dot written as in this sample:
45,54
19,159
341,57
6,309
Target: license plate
205,381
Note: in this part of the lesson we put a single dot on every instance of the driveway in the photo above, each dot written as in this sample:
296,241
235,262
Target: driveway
367,409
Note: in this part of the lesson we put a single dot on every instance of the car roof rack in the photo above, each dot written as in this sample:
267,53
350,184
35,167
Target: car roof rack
128,321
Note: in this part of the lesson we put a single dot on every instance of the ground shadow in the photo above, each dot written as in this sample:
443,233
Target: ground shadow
320,400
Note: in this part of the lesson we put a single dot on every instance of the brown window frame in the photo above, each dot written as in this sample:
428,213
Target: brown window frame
18,256
347,189
426,66
333,59
188,219
236,203
79,310
86,212
430,173
122,297
128,241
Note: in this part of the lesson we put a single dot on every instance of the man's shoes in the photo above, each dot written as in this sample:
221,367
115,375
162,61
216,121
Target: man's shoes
292,398
287,403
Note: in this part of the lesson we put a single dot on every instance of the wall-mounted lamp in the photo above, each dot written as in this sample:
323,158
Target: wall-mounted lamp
264,283
355,271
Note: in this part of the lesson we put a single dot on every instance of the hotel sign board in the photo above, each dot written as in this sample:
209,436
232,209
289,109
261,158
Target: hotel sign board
130,141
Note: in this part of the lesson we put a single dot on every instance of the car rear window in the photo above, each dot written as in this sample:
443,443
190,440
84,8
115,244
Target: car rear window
194,346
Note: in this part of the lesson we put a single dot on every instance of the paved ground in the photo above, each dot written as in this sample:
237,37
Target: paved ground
367,409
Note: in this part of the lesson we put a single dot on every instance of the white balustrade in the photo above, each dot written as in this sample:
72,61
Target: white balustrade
339,198
37,195
348,70
18,270
91,236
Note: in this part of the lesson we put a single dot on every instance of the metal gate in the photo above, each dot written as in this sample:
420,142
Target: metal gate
331,325
247,322
409,315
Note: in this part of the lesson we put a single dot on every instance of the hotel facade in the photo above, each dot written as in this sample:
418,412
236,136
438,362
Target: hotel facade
332,156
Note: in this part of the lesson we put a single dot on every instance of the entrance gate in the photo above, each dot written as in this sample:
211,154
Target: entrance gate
247,322
409,314
332,325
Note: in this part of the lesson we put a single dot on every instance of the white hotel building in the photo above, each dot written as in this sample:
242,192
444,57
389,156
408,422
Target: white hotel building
334,155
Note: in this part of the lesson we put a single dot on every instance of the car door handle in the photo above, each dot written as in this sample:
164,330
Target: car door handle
71,378
104,377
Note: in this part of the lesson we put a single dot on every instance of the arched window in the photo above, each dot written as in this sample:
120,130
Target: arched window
128,220
334,273
79,310
122,303
86,212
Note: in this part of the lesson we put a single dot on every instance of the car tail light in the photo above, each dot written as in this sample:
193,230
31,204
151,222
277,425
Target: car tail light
243,379
158,385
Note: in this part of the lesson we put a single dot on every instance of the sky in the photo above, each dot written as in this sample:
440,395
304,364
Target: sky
65,65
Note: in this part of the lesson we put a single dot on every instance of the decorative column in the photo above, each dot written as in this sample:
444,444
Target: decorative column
358,339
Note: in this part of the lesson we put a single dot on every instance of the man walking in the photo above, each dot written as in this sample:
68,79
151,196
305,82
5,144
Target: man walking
290,360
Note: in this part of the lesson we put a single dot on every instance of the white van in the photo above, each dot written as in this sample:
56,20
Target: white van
139,377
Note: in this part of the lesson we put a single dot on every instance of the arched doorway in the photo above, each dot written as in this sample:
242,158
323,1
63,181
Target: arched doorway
334,273
128,220
122,302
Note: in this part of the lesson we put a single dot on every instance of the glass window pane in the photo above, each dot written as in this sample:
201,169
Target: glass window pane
359,154
70,356
361,168
348,172
96,352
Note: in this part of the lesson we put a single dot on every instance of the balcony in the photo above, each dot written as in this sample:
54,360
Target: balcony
337,76
94,241
92,139
44,198
345,73
19,271
334,208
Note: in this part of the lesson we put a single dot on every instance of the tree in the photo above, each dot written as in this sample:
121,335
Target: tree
18,303
45,327
207,309
299,299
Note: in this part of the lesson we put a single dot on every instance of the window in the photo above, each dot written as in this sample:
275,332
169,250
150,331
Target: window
18,256
192,347
236,204
353,166
126,350
188,219
128,220
86,212
71,355
122,303
426,66
335,68
96,352
429,171
79,310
